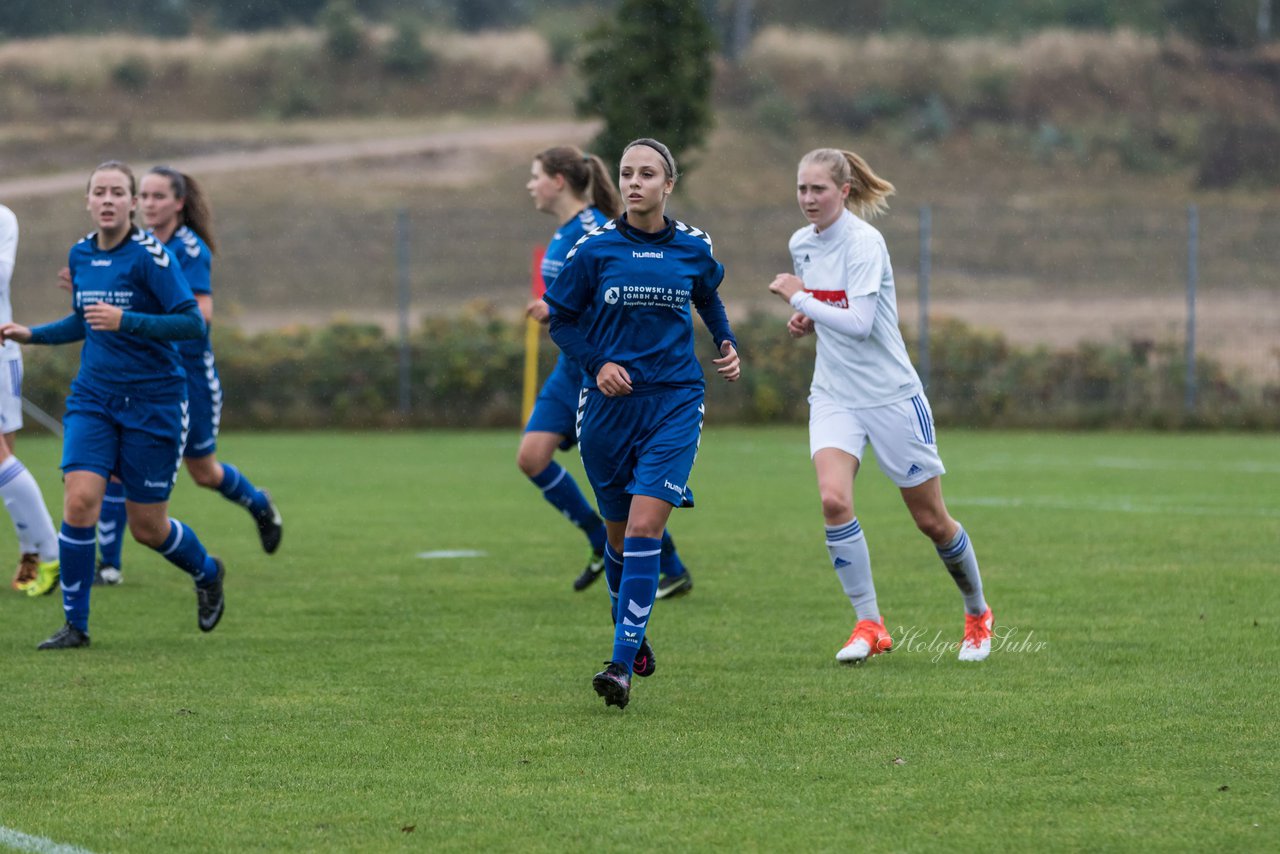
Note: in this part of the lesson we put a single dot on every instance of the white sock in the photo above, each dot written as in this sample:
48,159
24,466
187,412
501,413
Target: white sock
25,503
962,563
852,561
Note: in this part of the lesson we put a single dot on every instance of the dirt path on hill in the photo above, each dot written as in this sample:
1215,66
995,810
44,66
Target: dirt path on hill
524,136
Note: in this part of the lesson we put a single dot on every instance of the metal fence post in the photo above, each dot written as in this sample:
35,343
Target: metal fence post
926,227
1193,275
402,305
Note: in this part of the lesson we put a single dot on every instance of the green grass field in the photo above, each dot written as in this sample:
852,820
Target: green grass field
358,697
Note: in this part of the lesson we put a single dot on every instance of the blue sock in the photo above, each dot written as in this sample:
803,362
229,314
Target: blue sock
672,566
76,547
613,578
113,521
640,559
236,487
561,490
183,549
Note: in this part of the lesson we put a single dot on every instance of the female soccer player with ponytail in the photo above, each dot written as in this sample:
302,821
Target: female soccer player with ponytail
866,390
621,309
127,409
578,191
176,212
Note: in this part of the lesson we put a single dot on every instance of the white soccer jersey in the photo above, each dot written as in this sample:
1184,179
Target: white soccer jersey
8,257
845,261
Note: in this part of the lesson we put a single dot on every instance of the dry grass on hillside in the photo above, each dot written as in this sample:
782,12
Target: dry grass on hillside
1054,74
283,74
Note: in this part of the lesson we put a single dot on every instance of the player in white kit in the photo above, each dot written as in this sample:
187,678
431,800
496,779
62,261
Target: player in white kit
37,571
866,390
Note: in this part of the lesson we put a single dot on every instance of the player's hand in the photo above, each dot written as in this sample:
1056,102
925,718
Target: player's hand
102,317
14,332
786,285
538,310
64,278
800,325
728,365
613,380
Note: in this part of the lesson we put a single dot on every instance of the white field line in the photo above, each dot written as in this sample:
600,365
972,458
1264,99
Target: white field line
1114,506
1002,462
19,841
446,553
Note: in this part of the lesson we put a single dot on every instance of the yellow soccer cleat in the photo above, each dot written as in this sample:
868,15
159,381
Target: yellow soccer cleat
46,579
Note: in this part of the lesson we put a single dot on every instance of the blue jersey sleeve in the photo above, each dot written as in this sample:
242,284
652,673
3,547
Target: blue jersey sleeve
569,298
706,299
198,268
64,331
164,278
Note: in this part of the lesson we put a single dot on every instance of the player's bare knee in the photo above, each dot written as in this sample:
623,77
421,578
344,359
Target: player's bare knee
80,510
836,505
206,477
933,525
149,532
530,462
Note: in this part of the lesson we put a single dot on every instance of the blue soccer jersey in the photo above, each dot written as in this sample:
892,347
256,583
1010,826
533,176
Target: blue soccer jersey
556,408
196,261
566,236
553,261
624,296
137,275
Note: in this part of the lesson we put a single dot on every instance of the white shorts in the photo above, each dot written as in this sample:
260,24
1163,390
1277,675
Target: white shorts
900,433
10,396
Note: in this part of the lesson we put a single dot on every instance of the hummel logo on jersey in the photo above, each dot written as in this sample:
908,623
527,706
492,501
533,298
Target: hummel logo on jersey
100,262
635,254
841,563
611,296
915,469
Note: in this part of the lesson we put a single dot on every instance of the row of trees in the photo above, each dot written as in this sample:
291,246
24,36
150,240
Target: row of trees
1223,23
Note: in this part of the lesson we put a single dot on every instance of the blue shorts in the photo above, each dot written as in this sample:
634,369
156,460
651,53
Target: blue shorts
140,441
640,445
556,409
204,390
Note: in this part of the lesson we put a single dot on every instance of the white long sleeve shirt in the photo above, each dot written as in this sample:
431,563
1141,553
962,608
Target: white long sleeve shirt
862,360
8,257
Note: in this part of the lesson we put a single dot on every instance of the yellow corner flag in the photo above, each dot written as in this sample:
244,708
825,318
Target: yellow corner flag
532,334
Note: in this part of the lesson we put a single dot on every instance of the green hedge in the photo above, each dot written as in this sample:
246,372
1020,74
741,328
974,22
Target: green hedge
466,372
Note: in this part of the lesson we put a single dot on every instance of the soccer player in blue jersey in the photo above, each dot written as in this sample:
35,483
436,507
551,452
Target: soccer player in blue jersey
127,411
174,208
621,309
578,191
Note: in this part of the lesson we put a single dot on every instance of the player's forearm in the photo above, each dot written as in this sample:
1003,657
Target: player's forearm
712,312
64,331
182,326
571,341
855,321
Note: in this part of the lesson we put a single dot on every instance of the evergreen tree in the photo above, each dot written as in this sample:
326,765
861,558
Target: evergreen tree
649,73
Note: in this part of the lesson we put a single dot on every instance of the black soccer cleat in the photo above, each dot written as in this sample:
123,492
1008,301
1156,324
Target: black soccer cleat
67,637
595,568
270,526
645,662
209,600
674,585
614,684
